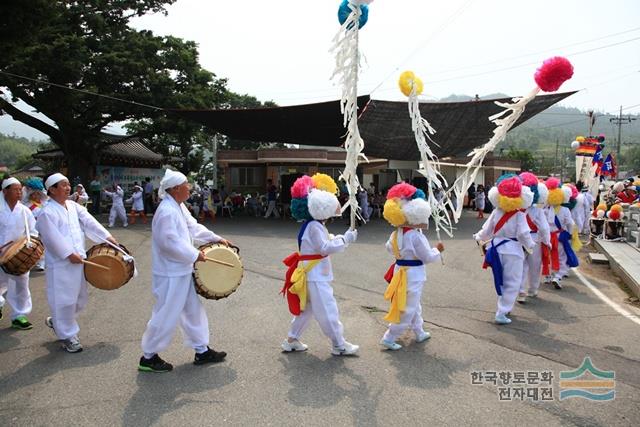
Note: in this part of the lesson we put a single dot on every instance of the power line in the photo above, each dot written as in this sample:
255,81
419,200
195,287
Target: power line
113,98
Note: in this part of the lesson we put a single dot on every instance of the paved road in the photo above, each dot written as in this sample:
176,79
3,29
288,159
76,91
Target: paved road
422,384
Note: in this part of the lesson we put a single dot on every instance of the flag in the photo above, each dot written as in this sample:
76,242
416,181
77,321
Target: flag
608,166
597,157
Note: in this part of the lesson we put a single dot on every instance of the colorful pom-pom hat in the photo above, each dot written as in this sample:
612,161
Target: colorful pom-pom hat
314,197
509,194
406,206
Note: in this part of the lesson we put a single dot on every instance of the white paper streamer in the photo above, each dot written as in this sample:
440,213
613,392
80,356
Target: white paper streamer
503,125
430,168
345,46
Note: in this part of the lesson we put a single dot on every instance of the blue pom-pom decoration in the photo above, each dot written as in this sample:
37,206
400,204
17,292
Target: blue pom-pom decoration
344,11
300,209
419,194
505,176
34,183
536,194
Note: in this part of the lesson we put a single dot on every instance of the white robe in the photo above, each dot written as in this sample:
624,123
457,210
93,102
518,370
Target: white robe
173,235
533,261
510,253
138,202
12,228
567,224
321,303
62,229
587,207
412,245
577,213
117,207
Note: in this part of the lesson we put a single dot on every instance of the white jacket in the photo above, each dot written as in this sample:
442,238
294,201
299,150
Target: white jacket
516,227
173,235
414,245
12,222
63,231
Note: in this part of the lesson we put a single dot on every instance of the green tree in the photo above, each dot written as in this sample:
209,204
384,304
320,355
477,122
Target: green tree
88,46
527,161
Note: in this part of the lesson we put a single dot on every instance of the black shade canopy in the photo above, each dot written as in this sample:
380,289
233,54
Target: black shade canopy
385,126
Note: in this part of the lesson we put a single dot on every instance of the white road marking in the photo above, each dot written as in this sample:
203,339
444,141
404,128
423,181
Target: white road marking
604,298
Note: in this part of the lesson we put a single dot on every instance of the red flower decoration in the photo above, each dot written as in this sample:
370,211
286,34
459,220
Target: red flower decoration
553,72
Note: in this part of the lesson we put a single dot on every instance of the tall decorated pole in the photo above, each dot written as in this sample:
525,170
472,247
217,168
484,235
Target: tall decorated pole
353,15
549,77
411,86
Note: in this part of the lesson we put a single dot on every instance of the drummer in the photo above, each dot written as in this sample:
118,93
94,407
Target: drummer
173,233
14,220
62,225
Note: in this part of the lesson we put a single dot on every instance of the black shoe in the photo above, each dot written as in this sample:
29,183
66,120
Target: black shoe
209,356
155,364
22,323
0,313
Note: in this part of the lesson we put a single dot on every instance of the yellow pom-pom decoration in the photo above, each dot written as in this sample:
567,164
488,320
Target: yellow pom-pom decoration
616,208
556,197
408,81
393,213
580,139
325,183
509,204
602,207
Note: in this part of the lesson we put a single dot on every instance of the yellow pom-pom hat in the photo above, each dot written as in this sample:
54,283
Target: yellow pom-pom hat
406,205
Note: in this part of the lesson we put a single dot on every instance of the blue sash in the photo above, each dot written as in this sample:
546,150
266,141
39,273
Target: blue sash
492,259
565,238
408,262
301,233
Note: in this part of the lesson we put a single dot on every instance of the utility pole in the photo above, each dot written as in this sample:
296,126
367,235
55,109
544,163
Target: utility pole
620,121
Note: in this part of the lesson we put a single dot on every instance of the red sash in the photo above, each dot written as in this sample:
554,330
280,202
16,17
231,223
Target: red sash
551,256
292,262
532,225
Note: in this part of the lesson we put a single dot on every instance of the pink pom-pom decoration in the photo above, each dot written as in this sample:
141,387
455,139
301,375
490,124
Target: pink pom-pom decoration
401,191
552,183
301,187
574,191
510,187
528,179
553,72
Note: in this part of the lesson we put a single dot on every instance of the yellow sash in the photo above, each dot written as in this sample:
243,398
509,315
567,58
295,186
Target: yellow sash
299,281
397,289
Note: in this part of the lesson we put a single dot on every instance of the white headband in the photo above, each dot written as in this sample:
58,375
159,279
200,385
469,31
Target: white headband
9,181
54,179
170,180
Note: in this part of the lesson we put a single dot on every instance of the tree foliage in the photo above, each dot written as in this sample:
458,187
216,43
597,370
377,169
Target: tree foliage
88,46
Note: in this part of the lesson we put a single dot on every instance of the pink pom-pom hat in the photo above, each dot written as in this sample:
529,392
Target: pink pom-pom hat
510,187
301,187
552,183
528,179
553,72
401,191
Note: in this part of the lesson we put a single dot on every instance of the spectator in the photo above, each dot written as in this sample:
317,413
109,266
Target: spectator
471,195
272,197
363,202
148,196
372,189
480,199
252,205
96,194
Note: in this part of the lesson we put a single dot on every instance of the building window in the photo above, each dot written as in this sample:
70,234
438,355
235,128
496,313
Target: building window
247,176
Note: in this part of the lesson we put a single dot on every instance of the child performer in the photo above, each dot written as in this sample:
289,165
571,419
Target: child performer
508,232
408,211
308,279
537,221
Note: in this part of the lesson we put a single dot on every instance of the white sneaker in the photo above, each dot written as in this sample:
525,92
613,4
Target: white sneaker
533,294
293,346
125,225
347,349
522,298
547,280
390,345
72,345
556,283
423,336
49,322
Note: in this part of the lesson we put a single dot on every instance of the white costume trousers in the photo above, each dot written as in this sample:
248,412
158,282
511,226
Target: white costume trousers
16,289
512,269
322,305
176,303
117,212
67,296
532,270
411,317
564,268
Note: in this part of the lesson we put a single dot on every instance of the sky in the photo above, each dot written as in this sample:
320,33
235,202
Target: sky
280,51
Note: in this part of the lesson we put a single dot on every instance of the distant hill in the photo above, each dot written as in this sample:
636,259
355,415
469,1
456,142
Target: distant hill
16,151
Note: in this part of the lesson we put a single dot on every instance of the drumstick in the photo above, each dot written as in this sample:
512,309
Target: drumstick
96,264
219,262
